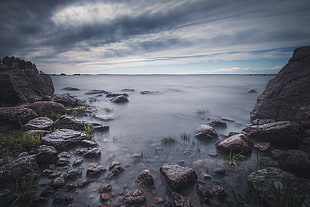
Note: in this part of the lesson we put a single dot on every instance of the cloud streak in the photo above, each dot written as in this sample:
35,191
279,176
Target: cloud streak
96,36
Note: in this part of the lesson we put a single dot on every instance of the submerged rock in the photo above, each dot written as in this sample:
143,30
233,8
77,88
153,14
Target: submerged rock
93,92
238,143
120,99
272,185
63,138
40,123
16,115
71,89
48,108
281,133
205,131
177,176
111,95
287,91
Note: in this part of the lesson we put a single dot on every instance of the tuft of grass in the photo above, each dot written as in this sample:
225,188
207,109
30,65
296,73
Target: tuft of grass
88,129
24,190
168,140
185,136
233,157
54,115
77,111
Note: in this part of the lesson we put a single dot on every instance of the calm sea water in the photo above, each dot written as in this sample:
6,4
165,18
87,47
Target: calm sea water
180,104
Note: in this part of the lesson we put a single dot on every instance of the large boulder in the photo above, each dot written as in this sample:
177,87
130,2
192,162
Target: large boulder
287,91
20,82
281,133
16,115
273,186
177,176
238,143
205,131
48,108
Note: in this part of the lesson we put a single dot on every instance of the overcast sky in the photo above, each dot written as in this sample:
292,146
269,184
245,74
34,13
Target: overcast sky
154,36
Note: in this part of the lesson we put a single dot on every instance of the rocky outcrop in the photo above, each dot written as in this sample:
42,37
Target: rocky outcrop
274,186
16,115
287,91
20,82
177,176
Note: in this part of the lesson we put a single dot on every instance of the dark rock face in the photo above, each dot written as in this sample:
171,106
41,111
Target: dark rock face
40,123
287,91
303,116
281,133
16,115
270,183
20,82
205,131
67,100
47,108
177,176
63,138
238,143
46,154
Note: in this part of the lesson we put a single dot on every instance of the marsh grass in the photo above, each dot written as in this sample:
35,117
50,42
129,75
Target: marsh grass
168,140
24,189
77,111
185,136
88,129
233,157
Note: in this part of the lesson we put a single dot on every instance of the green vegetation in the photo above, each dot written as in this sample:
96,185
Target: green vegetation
108,110
88,129
77,111
24,189
233,157
168,140
54,115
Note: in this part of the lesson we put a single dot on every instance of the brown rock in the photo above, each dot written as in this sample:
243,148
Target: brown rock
16,115
48,108
237,143
287,91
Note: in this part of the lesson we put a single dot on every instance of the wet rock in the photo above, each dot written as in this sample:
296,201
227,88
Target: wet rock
205,131
237,143
296,161
78,161
21,82
71,89
40,133
62,161
217,124
159,200
262,121
177,176
63,138
115,169
252,91
218,191
46,154
281,133
219,171
267,182
88,143
134,196
68,100
94,92
149,92
67,122
303,116
23,154
63,199
48,108
93,153
112,95
266,161
105,197
95,170
287,91
17,116
83,183
128,90
181,201
64,154
203,192
40,123
58,182
120,99
98,127
145,178
73,174
262,146
105,187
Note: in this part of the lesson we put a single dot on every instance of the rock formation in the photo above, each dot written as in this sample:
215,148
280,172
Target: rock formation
20,82
287,91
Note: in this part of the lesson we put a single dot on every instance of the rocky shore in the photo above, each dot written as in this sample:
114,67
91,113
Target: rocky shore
44,142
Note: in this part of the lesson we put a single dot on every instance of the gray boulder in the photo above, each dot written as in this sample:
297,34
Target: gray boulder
274,186
20,82
63,138
287,91
238,143
205,131
40,123
177,176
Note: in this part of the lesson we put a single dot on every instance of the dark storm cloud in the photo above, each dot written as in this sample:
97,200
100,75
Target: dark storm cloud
45,30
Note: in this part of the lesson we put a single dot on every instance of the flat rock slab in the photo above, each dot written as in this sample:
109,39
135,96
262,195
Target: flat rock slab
177,176
40,123
64,137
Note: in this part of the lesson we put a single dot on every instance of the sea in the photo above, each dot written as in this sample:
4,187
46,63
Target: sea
166,106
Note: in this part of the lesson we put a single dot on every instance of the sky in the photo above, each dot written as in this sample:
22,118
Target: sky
154,36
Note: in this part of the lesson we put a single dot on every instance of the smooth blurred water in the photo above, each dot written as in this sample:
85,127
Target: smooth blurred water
181,103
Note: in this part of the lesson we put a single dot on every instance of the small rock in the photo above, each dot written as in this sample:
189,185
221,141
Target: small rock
203,192
159,200
73,174
71,89
58,182
93,153
78,161
48,108
68,100
252,91
205,131
217,124
134,196
115,169
145,178
63,161
219,171
104,188
105,197
88,143
128,90
238,143
110,95
266,161
92,92
181,201
95,170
